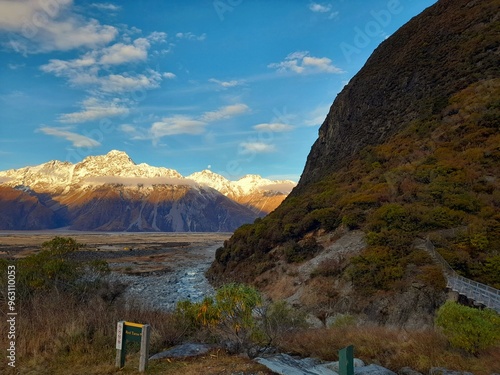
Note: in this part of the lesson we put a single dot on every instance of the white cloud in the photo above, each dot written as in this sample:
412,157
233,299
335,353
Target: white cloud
191,36
181,124
273,127
333,15
42,26
323,8
282,187
120,83
120,53
16,66
301,62
317,116
319,8
94,109
133,181
323,64
127,128
226,84
256,148
135,133
157,36
78,140
224,113
177,125
169,75
106,6
87,70
80,71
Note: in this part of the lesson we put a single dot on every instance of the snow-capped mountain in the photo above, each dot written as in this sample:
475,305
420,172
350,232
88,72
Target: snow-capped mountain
116,166
244,186
111,192
261,194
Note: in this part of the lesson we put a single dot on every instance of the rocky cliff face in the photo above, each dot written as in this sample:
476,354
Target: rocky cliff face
112,193
409,76
409,146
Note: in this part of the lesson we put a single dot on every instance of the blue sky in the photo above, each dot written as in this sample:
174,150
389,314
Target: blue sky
236,86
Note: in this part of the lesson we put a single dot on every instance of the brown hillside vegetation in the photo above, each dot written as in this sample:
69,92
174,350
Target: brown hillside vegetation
410,146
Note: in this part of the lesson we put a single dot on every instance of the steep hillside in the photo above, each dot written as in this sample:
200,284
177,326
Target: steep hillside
410,146
410,76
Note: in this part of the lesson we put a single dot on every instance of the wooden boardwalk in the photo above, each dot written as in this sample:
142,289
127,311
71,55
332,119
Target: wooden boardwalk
481,294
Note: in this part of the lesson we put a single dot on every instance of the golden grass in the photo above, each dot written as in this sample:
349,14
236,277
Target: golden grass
391,348
60,335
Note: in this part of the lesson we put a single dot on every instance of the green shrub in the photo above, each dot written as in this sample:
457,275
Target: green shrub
469,329
443,217
50,268
393,216
343,321
491,270
299,252
395,239
53,268
432,275
354,218
278,319
228,315
377,267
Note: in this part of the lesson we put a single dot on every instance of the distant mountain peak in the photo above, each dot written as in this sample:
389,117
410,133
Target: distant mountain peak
251,177
118,169
114,156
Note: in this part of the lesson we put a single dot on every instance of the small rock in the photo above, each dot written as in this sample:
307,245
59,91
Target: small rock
372,370
183,351
334,366
286,365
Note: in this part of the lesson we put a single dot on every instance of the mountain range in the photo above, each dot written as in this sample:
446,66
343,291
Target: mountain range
112,193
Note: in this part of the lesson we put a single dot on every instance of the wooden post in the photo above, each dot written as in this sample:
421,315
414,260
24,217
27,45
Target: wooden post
120,345
135,332
346,361
143,360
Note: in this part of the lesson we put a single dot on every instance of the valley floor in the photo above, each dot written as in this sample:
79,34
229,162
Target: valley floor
159,269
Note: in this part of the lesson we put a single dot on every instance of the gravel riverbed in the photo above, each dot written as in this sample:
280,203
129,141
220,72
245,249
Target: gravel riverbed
158,268
171,281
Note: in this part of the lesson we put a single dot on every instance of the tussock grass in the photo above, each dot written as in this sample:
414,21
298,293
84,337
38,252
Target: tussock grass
391,348
60,331
60,334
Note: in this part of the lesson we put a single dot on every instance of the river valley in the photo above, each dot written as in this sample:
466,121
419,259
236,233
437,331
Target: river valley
158,269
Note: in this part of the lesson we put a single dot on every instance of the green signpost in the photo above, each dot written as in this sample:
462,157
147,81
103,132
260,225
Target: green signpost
346,361
132,332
